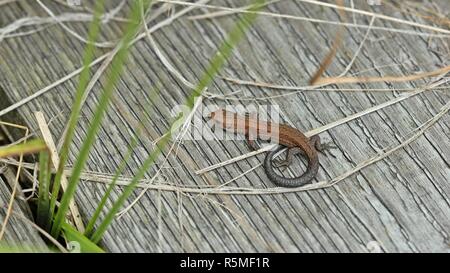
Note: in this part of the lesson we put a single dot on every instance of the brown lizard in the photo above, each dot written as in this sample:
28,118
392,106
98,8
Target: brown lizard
287,136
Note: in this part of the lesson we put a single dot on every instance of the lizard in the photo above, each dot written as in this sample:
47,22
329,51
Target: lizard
287,136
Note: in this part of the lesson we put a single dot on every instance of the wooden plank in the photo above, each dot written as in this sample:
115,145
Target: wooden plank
401,202
19,233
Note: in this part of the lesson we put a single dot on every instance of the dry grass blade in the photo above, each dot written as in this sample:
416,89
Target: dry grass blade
74,214
16,182
414,77
336,44
43,232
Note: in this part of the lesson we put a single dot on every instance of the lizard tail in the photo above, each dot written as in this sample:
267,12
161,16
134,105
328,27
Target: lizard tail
305,178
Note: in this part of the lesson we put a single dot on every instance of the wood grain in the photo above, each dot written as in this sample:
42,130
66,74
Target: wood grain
401,202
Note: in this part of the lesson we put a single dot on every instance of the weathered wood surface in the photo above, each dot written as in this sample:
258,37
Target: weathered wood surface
20,234
402,202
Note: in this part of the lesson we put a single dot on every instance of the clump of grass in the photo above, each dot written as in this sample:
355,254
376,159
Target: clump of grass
52,217
94,30
115,71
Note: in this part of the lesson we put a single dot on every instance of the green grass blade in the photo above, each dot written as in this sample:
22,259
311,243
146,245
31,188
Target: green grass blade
119,171
4,248
88,57
101,205
129,189
116,69
78,242
43,206
215,65
30,147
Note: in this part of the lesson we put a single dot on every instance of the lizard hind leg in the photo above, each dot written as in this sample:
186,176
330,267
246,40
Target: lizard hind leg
315,142
284,163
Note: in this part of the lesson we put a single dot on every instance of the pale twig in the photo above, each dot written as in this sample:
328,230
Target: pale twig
298,89
352,6
46,21
22,139
112,14
235,222
305,88
376,67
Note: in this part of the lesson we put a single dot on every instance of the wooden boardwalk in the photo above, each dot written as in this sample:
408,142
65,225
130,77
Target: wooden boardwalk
398,204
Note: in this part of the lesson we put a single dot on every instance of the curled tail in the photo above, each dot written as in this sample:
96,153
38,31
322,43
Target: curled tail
292,182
